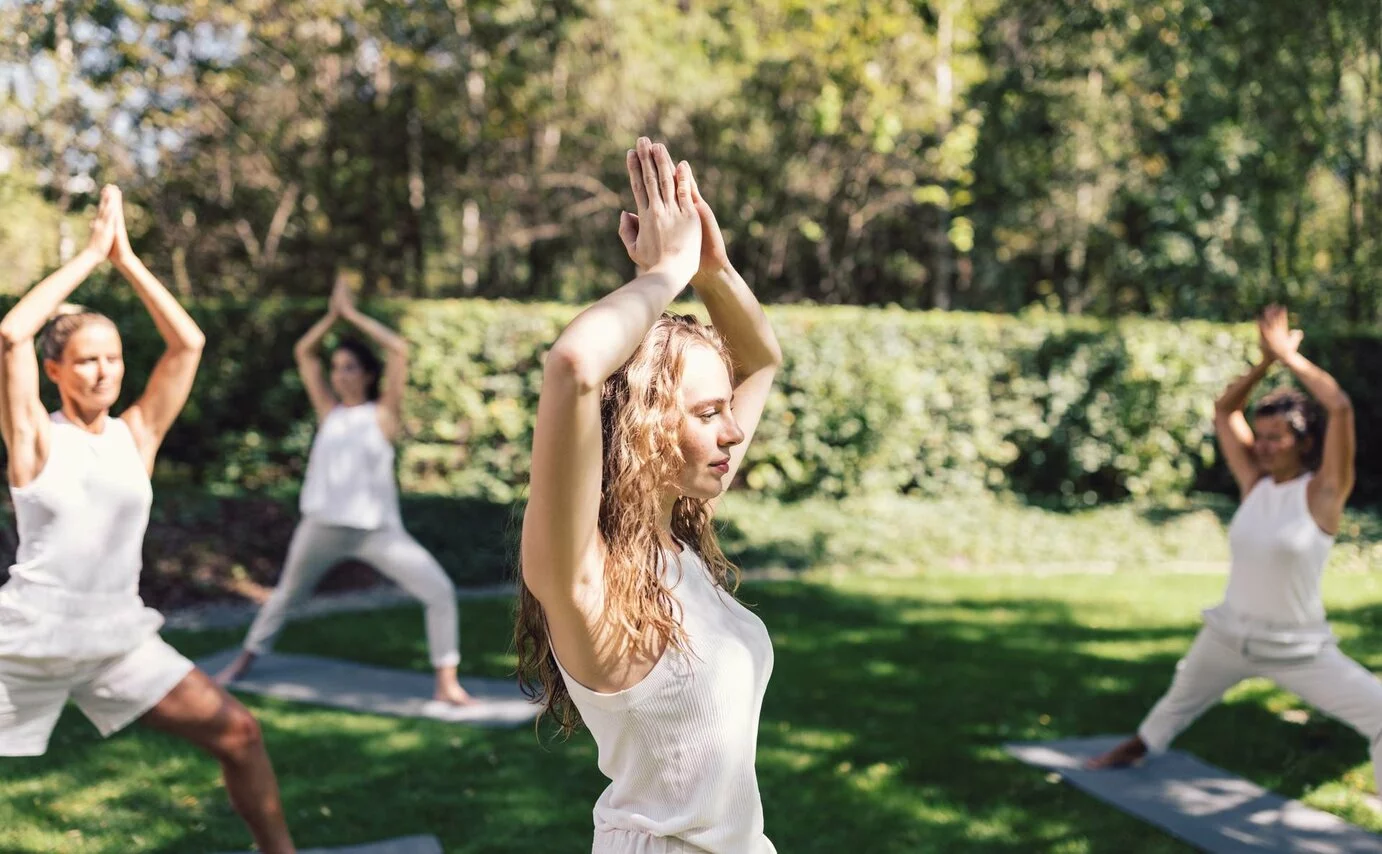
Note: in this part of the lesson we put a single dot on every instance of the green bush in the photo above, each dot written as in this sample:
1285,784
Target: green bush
1058,409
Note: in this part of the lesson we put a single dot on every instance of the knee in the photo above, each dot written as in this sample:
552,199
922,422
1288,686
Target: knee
239,736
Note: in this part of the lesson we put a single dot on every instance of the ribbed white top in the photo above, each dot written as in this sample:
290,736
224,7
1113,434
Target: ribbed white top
679,747
1278,553
350,479
74,587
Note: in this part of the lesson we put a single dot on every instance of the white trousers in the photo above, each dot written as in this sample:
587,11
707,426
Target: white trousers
316,547
1330,681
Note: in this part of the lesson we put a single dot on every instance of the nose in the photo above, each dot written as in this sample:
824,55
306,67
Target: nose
732,435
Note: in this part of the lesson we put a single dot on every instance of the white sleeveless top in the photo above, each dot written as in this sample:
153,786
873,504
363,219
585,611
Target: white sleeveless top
74,588
350,478
679,747
1277,557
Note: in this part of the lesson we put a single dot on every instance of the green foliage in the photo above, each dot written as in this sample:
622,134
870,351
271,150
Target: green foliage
1071,411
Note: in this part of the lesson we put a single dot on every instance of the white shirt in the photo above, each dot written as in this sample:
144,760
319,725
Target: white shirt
679,747
350,479
74,587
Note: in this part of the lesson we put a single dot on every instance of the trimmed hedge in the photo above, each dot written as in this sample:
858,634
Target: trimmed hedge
1055,408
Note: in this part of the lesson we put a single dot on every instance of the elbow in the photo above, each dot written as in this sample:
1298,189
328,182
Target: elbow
568,368
10,337
194,342
1341,406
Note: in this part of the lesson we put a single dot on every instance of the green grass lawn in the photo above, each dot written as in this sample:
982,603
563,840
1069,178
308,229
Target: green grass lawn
917,638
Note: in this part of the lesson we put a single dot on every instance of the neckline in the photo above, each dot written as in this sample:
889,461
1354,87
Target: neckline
60,418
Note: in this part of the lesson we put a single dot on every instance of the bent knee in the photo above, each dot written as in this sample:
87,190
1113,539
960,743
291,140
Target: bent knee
239,735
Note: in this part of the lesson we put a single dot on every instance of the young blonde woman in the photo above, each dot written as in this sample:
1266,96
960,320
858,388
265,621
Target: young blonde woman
627,618
1294,469
349,498
72,625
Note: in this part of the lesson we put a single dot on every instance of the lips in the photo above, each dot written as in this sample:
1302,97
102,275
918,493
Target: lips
722,466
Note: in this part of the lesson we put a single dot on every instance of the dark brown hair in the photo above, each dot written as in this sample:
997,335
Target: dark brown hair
53,338
1304,417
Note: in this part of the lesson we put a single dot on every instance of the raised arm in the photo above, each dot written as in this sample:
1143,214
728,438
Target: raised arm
1231,426
562,552
150,417
1333,482
309,363
395,347
23,421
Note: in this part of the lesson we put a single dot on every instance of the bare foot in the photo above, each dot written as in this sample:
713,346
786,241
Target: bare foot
237,668
453,694
1127,753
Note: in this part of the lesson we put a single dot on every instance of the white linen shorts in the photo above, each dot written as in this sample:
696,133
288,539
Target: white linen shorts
111,692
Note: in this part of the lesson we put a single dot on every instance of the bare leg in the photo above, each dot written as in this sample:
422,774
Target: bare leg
237,668
200,711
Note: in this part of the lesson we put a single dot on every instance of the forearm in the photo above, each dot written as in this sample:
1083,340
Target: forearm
1318,382
1235,397
604,336
175,325
378,332
33,310
313,336
737,314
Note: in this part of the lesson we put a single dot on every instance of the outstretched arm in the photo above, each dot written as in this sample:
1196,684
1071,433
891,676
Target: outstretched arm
562,551
1333,483
151,416
395,347
23,422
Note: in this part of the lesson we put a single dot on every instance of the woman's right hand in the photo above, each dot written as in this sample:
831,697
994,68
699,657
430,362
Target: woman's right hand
666,235
105,226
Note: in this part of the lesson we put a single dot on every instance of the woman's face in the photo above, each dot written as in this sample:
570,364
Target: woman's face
349,379
708,428
1277,449
91,369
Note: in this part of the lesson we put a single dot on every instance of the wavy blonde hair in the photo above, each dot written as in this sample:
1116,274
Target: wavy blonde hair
640,418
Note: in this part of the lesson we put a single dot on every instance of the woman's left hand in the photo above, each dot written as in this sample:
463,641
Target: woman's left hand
714,256
342,300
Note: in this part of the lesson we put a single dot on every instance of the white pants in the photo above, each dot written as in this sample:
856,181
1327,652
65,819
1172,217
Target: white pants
316,547
1330,681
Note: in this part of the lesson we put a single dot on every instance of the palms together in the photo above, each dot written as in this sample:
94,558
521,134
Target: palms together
1275,335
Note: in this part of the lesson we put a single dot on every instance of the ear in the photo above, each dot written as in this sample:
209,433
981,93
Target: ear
51,369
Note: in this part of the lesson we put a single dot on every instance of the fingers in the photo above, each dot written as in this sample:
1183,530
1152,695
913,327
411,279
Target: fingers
628,230
640,190
683,184
666,175
648,170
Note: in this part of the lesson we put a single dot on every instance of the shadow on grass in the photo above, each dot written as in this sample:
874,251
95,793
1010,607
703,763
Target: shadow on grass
881,733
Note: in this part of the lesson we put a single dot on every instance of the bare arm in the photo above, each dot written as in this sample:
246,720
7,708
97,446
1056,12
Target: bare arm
1332,484
561,548
23,421
1231,427
310,366
395,346
736,313
151,416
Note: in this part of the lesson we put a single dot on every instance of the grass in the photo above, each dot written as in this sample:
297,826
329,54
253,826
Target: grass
891,695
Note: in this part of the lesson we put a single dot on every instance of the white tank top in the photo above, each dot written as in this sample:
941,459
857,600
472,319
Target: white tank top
679,747
350,478
1277,557
74,587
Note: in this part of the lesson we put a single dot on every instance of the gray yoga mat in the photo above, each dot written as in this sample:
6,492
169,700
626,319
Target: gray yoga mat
1198,803
402,845
375,690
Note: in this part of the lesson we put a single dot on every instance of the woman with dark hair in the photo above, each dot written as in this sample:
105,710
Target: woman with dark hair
349,498
72,625
1294,469
627,618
